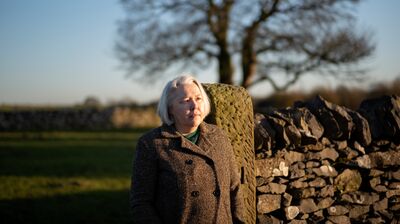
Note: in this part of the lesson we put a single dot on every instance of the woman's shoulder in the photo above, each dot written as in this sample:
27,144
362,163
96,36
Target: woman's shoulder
209,126
151,134
214,129
161,132
217,135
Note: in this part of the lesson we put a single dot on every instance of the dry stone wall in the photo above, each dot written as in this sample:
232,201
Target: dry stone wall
318,162
78,119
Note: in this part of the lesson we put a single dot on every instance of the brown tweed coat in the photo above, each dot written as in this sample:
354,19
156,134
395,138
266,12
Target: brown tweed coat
176,181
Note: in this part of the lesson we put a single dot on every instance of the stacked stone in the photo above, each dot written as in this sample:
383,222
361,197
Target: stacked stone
320,162
77,119
54,119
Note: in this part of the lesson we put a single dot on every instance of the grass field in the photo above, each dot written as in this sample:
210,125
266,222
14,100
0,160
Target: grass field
66,177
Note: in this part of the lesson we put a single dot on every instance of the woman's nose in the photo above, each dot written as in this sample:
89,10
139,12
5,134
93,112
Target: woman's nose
193,104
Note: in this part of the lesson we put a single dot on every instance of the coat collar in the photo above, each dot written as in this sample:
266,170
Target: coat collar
204,144
169,131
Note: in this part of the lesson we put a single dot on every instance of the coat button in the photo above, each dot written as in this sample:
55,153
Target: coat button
195,193
217,193
189,162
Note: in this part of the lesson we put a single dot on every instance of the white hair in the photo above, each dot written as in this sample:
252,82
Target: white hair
167,96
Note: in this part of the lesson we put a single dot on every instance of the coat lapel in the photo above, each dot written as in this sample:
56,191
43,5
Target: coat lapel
204,144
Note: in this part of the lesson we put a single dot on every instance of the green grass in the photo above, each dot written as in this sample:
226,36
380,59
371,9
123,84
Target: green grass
66,177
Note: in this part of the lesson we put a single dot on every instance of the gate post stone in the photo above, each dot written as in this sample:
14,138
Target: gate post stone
232,110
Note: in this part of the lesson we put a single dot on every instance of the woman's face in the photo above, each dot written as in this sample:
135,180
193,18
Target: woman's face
187,108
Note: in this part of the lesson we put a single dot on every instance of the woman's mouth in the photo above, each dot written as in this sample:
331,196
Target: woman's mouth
194,115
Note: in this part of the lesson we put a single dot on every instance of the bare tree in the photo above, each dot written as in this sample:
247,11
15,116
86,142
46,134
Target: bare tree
263,39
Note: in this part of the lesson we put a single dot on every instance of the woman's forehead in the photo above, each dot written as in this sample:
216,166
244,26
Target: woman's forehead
188,89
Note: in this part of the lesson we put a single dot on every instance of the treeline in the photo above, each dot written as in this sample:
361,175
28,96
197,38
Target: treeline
344,96
91,114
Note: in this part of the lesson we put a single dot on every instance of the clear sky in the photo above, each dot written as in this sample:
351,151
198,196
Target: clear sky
61,51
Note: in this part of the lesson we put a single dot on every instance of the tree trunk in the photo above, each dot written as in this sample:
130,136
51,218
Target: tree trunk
249,59
218,20
225,68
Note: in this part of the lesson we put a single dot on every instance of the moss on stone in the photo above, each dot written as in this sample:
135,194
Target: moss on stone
232,110
348,181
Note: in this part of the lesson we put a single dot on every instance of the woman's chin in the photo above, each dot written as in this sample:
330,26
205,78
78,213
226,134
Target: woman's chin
195,122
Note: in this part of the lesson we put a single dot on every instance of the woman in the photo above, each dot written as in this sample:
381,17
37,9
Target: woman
184,170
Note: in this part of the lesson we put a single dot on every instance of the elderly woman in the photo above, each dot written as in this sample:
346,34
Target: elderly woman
184,170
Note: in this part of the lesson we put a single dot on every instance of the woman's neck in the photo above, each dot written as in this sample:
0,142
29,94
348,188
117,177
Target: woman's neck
186,130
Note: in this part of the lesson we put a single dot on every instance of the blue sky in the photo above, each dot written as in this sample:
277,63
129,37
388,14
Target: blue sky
60,52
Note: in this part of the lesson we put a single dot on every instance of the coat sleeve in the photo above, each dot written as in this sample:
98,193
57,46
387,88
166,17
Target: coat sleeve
143,185
237,200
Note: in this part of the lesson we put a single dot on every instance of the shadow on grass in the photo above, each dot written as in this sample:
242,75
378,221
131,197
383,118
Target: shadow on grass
72,171
94,159
89,207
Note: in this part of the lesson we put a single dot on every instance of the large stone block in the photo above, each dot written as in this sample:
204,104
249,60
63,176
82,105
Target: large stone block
383,115
232,110
337,123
